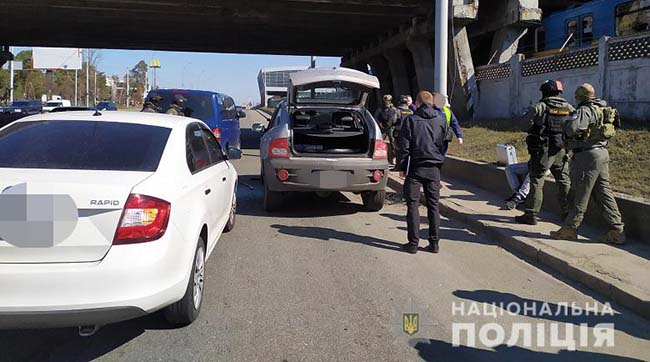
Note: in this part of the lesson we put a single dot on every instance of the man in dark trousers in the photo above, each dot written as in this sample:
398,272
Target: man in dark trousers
421,143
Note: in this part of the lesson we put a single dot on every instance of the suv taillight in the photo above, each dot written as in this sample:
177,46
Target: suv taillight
217,133
279,148
144,219
381,150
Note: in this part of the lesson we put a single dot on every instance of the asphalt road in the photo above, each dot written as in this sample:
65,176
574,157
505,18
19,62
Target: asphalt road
325,281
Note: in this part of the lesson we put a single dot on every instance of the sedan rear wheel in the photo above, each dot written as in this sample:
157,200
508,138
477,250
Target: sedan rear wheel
186,310
233,215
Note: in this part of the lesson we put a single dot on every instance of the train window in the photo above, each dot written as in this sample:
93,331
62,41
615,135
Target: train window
572,31
587,29
633,17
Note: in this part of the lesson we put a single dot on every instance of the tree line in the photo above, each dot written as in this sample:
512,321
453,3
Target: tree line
32,83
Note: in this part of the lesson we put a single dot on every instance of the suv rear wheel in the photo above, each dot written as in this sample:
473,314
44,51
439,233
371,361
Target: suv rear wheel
272,199
373,200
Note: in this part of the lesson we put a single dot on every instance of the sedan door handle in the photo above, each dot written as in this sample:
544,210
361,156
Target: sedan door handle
208,191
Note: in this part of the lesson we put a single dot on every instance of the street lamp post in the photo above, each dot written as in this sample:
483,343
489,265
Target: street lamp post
441,42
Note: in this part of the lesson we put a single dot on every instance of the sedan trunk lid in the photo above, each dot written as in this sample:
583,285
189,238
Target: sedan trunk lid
61,216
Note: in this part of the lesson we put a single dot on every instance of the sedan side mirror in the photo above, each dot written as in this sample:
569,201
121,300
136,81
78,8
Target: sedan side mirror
234,153
258,127
241,114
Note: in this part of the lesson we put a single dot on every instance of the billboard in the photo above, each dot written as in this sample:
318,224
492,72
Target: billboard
57,58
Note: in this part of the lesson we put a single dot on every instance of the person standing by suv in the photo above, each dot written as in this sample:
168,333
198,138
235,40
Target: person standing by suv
421,146
388,117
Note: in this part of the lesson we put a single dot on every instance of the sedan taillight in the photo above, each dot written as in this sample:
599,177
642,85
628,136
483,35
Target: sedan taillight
144,219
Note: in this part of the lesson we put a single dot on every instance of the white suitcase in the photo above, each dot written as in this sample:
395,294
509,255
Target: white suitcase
506,154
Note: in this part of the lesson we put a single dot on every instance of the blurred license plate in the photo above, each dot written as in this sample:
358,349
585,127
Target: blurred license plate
333,179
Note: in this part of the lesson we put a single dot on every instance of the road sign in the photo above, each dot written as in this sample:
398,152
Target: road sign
57,58
18,65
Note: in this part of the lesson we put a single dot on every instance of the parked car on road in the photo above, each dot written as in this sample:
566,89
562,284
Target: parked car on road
50,105
19,109
120,213
217,110
106,106
324,139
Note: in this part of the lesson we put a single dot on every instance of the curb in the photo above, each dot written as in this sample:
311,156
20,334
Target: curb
527,248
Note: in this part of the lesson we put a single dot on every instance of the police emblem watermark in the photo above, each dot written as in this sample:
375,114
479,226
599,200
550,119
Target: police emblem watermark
411,319
410,322
563,325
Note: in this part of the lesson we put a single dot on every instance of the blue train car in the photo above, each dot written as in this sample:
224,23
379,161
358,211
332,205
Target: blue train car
589,22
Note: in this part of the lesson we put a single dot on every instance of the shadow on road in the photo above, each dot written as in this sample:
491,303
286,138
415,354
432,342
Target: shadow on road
440,351
622,321
326,234
64,344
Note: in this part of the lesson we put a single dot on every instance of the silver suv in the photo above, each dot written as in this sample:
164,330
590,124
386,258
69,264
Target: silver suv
324,139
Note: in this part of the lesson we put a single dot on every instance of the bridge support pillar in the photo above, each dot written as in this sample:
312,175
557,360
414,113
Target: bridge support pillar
505,43
423,62
398,72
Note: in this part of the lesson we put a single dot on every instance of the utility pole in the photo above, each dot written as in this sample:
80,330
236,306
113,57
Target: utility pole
87,77
313,62
441,27
11,77
95,92
76,87
128,91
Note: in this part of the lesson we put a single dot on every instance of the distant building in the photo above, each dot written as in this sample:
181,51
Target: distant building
273,83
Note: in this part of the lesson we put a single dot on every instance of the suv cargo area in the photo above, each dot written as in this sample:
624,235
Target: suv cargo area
329,132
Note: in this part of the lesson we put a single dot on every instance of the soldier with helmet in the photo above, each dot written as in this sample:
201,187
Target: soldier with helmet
587,135
388,117
177,108
545,143
152,105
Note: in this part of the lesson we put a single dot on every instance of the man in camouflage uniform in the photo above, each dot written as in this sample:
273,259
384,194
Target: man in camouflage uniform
153,104
177,108
546,147
405,112
388,117
587,138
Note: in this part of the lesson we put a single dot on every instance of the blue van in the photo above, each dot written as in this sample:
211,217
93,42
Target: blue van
217,110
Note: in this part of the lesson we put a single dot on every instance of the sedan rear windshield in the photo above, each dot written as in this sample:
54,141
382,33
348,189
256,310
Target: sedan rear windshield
82,145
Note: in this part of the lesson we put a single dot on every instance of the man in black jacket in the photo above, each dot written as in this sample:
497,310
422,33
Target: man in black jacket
420,158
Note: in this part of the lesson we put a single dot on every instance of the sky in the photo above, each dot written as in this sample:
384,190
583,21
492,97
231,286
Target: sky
232,74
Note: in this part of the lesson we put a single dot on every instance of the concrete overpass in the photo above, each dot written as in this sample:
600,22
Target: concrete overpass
396,39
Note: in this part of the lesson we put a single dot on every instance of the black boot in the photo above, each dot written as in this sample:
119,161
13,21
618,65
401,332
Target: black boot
434,246
410,248
527,218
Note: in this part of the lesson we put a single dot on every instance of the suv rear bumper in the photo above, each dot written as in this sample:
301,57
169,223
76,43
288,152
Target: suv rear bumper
325,174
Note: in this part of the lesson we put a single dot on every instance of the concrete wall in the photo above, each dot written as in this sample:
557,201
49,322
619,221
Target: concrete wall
618,68
635,211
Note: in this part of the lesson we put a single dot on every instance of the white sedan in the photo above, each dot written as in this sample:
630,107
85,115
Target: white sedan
108,217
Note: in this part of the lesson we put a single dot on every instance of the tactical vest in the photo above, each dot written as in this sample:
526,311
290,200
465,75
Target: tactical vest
604,128
554,120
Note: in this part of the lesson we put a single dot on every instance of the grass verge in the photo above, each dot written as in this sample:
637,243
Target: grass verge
629,152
